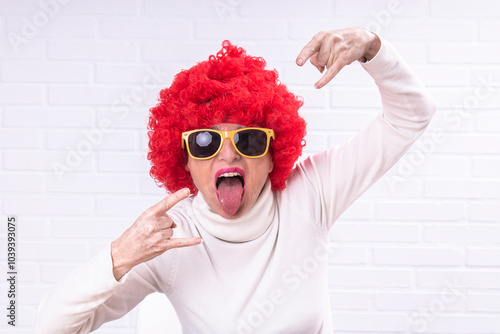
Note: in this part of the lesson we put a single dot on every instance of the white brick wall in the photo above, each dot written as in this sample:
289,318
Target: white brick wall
418,253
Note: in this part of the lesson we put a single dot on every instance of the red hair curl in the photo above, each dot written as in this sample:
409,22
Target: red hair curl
230,87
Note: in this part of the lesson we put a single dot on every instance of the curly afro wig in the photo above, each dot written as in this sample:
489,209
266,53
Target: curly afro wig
230,87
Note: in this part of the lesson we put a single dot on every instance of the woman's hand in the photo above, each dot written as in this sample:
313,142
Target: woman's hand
337,48
149,236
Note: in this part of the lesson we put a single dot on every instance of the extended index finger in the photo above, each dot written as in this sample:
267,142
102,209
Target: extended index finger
309,50
169,201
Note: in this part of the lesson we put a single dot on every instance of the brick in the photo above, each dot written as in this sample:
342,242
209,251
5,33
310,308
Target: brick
56,26
411,301
422,161
313,98
126,162
359,210
22,94
184,9
20,138
354,120
463,189
348,255
420,211
50,72
441,75
487,31
93,183
460,280
33,228
234,30
394,185
53,251
375,232
374,323
458,234
17,47
480,302
29,295
487,257
129,207
14,182
48,117
382,11
151,76
487,167
350,300
417,256
29,271
102,138
452,8
488,121
47,161
476,53
87,51
436,31
53,273
316,142
368,277
277,10
304,30
96,229
85,95
350,98
149,187
124,116
52,206
488,212
187,51
469,144
19,7
113,7
460,324
146,28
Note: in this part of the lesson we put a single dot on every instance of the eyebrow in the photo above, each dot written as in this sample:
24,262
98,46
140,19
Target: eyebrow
216,127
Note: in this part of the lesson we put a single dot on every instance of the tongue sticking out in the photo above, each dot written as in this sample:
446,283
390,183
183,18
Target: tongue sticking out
230,194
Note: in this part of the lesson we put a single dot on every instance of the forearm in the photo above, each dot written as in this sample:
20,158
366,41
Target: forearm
70,306
407,104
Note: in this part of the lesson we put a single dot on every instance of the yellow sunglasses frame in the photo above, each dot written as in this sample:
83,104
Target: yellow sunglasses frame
230,136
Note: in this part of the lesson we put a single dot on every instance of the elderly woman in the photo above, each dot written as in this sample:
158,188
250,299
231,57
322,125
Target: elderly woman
251,227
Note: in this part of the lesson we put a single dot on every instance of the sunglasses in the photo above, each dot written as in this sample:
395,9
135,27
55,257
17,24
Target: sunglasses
205,144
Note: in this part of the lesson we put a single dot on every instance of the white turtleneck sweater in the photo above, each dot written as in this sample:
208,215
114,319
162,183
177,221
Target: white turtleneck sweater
265,272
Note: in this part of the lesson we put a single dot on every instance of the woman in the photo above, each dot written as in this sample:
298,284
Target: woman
228,133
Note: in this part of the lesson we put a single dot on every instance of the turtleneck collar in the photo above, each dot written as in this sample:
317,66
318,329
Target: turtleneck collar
248,227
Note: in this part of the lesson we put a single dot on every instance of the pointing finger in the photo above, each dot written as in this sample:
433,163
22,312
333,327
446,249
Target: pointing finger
308,50
168,202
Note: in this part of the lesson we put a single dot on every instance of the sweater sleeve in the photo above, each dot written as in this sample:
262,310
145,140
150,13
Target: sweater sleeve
334,179
90,296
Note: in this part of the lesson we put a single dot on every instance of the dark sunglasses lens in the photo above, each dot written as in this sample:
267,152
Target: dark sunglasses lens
204,144
251,142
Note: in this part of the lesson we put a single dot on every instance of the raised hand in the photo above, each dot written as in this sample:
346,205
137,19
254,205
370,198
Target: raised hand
149,236
337,48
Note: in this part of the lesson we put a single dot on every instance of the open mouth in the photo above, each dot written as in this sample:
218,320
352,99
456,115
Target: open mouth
230,187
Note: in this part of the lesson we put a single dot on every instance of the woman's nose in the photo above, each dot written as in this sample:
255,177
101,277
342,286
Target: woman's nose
227,152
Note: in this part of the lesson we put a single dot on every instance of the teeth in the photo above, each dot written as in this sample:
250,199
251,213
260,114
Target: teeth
230,174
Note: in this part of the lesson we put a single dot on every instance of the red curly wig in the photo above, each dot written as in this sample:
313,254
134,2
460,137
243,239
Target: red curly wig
230,87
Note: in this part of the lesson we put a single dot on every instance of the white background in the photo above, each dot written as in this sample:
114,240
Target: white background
418,253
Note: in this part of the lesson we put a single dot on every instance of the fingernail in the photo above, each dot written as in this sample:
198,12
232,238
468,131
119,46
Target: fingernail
186,192
299,61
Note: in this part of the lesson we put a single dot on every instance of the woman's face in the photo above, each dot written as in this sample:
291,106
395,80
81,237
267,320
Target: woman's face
218,178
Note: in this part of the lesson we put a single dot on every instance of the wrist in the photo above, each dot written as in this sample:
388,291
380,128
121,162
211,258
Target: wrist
373,48
119,267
